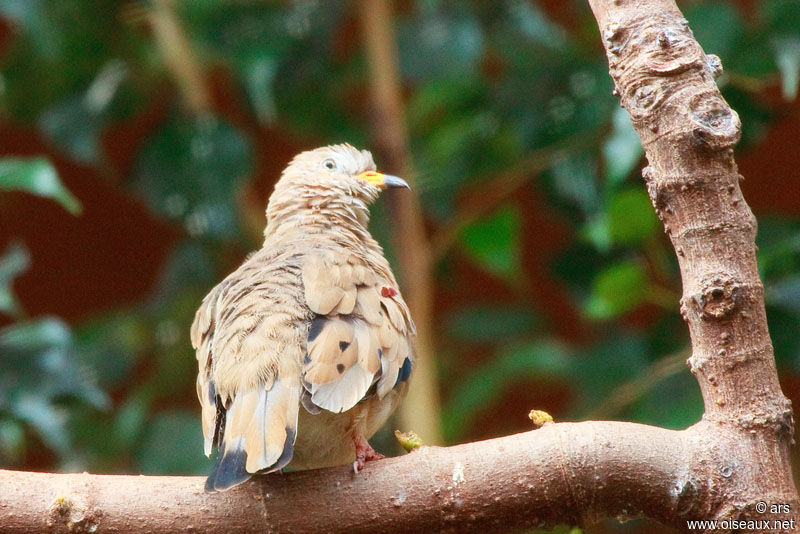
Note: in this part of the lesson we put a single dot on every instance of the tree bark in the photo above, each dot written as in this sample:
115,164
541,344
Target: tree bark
561,473
666,83
733,465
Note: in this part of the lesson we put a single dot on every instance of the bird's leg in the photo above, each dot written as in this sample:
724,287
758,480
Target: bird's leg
364,453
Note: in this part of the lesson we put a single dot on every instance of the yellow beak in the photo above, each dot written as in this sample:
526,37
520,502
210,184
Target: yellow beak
383,180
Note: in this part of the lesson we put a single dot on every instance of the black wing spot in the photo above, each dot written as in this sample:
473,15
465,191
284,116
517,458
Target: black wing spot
343,345
340,368
405,371
316,328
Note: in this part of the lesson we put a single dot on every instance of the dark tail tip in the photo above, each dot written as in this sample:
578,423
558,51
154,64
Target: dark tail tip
229,470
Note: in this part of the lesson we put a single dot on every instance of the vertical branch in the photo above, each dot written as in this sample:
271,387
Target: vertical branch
420,410
666,83
178,56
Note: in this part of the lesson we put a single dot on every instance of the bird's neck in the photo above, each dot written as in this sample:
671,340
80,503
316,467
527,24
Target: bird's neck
309,216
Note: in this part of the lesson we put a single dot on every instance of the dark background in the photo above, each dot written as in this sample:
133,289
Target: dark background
127,192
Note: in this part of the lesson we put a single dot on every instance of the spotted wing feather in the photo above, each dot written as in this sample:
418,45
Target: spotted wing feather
361,339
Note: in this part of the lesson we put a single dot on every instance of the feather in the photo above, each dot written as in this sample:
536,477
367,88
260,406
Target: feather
369,351
260,429
207,396
331,353
368,305
344,393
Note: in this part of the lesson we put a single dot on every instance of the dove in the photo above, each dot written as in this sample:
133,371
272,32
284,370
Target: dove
305,350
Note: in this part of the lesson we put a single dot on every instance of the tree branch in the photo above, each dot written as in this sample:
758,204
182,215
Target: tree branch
179,57
666,83
561,473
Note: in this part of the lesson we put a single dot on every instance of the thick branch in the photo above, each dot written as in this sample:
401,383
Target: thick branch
561,473
666,83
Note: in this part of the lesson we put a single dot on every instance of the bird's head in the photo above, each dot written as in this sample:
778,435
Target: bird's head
340,168
331,177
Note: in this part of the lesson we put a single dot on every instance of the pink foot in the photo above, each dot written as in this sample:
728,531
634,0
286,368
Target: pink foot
364,453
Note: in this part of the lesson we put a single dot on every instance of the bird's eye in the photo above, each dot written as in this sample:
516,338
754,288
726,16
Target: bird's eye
329,164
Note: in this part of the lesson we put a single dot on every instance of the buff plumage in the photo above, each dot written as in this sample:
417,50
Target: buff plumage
305,350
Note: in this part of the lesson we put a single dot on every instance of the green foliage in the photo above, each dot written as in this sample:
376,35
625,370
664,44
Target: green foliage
36,176
622,150
618,288
631,219
493,242
14,261
163,450
206,161
480,324
39,372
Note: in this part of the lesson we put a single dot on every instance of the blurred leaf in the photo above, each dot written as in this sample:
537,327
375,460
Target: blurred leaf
191,170
190,267
622,150
785,294
74,123
480,324
59,47
616,290
539,359
14,261
37,370
493,242
36,176
534,24
778,249
433,42
672,403
716,26
109,345
259,76
38,356
781,16
784,331
787,56
12,441
597,231
173,445
631,218
754,114
603,366
442,96
574,178
131,418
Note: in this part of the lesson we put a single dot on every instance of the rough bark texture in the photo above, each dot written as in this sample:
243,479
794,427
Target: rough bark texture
666,83
725,467
561,473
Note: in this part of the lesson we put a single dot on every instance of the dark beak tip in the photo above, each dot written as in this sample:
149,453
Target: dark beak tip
394,181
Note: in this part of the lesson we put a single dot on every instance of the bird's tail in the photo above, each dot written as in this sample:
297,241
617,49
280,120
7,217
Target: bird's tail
255,433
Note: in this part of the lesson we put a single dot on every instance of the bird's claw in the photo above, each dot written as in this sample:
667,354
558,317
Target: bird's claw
364,453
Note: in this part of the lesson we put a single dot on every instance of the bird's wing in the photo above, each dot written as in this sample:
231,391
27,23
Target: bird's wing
360,333
249,335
